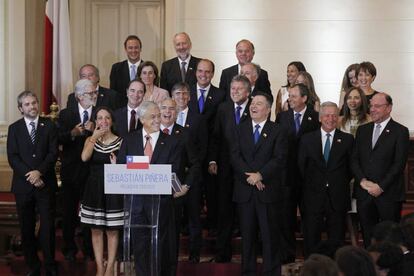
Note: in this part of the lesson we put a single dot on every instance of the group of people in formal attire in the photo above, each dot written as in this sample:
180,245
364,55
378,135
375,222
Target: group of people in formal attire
252,157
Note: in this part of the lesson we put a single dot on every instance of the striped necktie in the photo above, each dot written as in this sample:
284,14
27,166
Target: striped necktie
33,132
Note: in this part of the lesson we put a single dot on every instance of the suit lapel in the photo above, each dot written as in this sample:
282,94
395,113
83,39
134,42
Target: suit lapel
318,147
263,135
335,145
158,147
24,131
306,120
386,131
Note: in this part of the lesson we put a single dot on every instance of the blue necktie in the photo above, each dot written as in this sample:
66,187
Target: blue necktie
33,132
180,120
201,100
237,114
297,122
85,117
132,73
256,134
327,148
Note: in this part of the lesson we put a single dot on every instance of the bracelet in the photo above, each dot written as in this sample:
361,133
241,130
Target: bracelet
93,141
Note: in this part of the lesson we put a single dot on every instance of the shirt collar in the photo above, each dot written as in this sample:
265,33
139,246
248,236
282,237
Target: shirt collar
187,60
323,133
28,121
383,123
136,64
261,124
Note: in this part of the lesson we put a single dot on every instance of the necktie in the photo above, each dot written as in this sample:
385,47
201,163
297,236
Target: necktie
201,100
256,134
132,72
183,70
377,132
166,131
180,120
148,147
85,117
33,132
297,121
327,148
132,121
237,114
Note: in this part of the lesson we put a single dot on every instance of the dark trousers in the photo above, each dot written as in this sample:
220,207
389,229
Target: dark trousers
255,215
315,221
41,202
372,211
142,236
71,195
210,188
225,214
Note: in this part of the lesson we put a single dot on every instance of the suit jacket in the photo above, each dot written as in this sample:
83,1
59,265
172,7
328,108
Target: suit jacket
190,169
227,75
268,157
223,135
73,168
23,156
121,122
106,97
119,80
310,122
171,72
317,173
385,163
215,96
197,129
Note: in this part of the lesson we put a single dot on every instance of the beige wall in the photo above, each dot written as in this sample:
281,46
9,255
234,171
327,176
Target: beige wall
325,35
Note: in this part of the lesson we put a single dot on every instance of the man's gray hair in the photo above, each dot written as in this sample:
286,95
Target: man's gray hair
242,79
144,106
80,87
327,104
256,67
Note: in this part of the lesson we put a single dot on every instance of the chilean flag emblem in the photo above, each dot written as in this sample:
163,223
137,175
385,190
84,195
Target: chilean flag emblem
137,162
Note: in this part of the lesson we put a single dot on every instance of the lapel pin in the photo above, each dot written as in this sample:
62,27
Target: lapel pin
209,97
339,140
177,131
190,68
309,118
387,131
162,143
245,114
101,95
264,135
42,124
187,125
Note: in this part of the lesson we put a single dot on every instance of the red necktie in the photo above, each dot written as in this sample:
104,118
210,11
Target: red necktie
148,147
132,121
166,131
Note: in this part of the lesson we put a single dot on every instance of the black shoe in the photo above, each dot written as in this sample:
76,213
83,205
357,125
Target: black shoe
194,258
34,272
222,259
70,256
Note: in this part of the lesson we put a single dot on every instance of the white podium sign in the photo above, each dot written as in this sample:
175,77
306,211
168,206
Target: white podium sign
153,181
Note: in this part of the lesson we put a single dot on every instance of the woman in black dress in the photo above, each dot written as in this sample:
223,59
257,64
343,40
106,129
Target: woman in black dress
102,213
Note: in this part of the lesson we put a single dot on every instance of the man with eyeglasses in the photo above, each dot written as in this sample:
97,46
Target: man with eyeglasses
379,158
74,125
101,96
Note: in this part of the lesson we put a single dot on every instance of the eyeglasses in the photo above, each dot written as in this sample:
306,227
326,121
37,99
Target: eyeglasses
376,106
91,93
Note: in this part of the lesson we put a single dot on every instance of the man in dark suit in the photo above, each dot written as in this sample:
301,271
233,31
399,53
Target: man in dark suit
181,68
74,125
102,96
188,174
379,158
259,160
252,72
204,100
244,54
161,149
125,71
298,120
198,134
325,165
229,115
32,153
126,117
